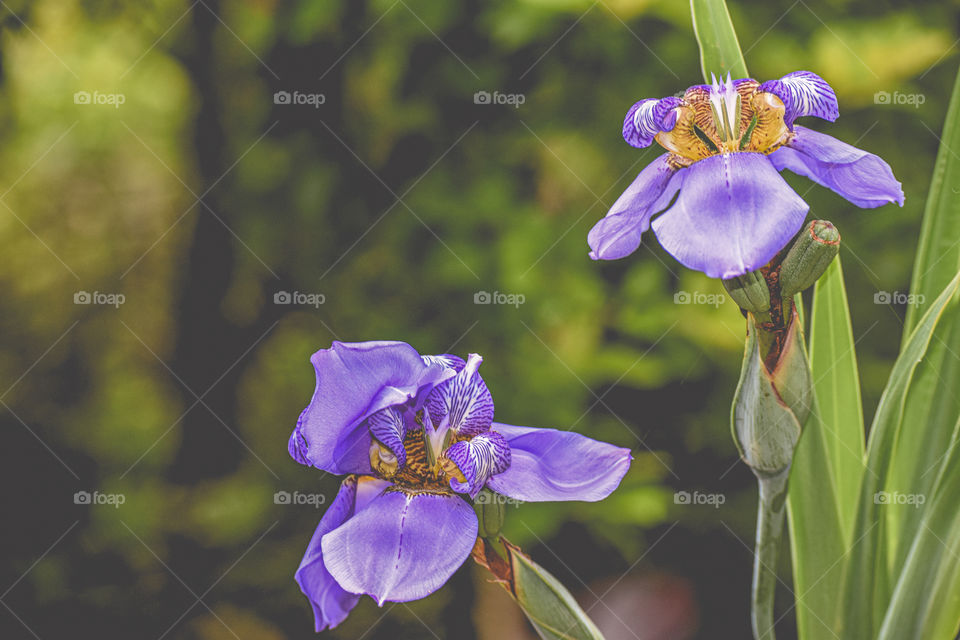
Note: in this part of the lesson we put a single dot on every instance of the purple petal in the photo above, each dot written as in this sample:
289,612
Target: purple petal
862,178
390,427
647,118
355,380
618,233
478,459
297,445
733,214
549,465
462,403
804,93
401,547
330,602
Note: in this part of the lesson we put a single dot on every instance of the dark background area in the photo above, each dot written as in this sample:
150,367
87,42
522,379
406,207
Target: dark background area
397,197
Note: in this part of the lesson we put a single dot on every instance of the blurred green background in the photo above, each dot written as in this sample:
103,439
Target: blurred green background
147,154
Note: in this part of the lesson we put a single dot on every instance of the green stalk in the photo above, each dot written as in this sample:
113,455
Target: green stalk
770,516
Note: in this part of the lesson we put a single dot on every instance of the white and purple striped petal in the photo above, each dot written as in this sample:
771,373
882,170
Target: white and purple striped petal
446,360
618,233
734,212
401,547
462,403
549,465
861,177
804,93
478,459
647,118
390,428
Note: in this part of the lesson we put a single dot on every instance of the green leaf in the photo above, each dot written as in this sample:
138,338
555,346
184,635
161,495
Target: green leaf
827,466
867,586
926,599
933,408
938,253
836,383
551,609
719,49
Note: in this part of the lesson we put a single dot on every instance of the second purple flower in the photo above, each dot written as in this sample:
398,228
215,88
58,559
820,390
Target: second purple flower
724,209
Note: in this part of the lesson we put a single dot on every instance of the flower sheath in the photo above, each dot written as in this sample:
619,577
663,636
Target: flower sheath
416,434
724,209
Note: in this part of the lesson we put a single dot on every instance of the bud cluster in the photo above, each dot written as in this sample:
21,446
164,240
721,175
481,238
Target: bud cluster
775,392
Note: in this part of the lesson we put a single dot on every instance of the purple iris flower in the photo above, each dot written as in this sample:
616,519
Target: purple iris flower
724,209
416,434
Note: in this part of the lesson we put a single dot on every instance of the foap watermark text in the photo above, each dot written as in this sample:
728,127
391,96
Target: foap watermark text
498,297
97,498
99,298
99,98
512,99
699,297
697,498
299,98
885,97
315,500
299,298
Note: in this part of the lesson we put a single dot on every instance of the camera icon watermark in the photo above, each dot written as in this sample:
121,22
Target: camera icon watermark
299,298
96,498
315,500
99,298
913,99
696,498
97,98
898,297
699,297
299,98
895,497
512,99
497,297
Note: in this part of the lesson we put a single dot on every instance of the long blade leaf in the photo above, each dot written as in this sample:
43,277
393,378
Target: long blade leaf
719,49
938,253
828,464
864,604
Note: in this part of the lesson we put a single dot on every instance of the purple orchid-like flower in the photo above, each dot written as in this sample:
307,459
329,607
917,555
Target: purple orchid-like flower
416,434
724,208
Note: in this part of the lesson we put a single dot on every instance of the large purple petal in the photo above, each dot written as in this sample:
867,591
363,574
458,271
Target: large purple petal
549,465
647,118
462,403
355,380
477,459
862,178
330,602
804,93
733,214
618,233
401,547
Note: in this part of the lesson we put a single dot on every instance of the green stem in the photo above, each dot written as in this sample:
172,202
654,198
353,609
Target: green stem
770,515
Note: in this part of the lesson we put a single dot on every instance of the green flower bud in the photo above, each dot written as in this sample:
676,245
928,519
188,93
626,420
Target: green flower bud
771,404
809,257
491,512
750,291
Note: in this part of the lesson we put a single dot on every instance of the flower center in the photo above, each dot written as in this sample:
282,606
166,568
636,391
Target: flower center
726,118
426,470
